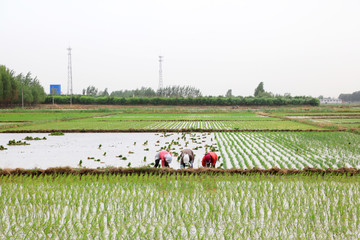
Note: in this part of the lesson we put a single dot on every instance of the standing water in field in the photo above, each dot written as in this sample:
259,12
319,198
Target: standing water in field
243,150
99,149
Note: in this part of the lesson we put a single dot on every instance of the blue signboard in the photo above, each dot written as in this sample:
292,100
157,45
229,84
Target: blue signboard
55,89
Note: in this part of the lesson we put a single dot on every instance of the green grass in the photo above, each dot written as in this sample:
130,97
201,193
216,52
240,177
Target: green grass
193,207
41,116
188,116
6,123
83,124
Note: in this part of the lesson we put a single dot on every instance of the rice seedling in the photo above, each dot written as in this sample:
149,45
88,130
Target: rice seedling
16,143
56,134
29,138
2,148
188,207
289,150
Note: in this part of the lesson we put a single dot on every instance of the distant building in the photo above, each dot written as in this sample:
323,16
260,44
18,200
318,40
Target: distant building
331,101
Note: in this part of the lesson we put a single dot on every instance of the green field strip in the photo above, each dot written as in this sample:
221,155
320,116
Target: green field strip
131,207
315,113
41,116
189,116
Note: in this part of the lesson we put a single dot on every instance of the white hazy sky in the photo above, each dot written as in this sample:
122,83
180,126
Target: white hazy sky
307,47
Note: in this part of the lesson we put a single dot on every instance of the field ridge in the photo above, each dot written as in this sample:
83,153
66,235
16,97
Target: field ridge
180,172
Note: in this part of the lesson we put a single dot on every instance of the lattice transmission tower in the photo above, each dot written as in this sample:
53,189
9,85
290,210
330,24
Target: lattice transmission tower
70,85
161,59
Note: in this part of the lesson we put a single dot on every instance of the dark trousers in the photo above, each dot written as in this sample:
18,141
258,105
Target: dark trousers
157,163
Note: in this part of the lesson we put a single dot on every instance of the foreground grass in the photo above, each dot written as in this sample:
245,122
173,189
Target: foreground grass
179,207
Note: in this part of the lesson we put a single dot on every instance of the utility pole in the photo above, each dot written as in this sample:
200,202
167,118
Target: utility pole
52,93
70,85
161,58
22,96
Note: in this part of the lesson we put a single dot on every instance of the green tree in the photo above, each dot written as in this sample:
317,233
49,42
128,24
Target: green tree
259,90
104,93
91,91
229,93
11,87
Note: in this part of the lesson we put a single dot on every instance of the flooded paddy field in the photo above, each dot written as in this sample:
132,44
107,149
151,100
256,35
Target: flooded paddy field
163,206
244,150
99,149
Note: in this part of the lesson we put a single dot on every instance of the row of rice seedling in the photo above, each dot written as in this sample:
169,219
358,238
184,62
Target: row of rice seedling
289,150
256,125
275,124
170,207
341,149
189,125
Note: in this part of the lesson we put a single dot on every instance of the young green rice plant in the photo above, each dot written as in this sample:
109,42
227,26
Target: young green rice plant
16,143
56,134
2,148
29,138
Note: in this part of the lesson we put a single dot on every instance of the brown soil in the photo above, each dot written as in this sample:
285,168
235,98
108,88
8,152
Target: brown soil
170,171
168,130
190,120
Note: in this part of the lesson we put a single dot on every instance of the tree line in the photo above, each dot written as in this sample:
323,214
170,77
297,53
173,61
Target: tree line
351,97
14,88
169,91
190,101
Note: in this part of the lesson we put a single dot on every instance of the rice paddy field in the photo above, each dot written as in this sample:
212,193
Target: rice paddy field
186,205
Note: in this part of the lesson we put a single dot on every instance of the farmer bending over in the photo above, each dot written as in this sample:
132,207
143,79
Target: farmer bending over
165,158
186,158
209,160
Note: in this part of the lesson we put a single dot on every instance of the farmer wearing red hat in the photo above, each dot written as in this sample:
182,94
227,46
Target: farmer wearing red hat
165,158
209,160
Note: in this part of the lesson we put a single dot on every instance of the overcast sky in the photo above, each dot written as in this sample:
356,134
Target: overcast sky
308,47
